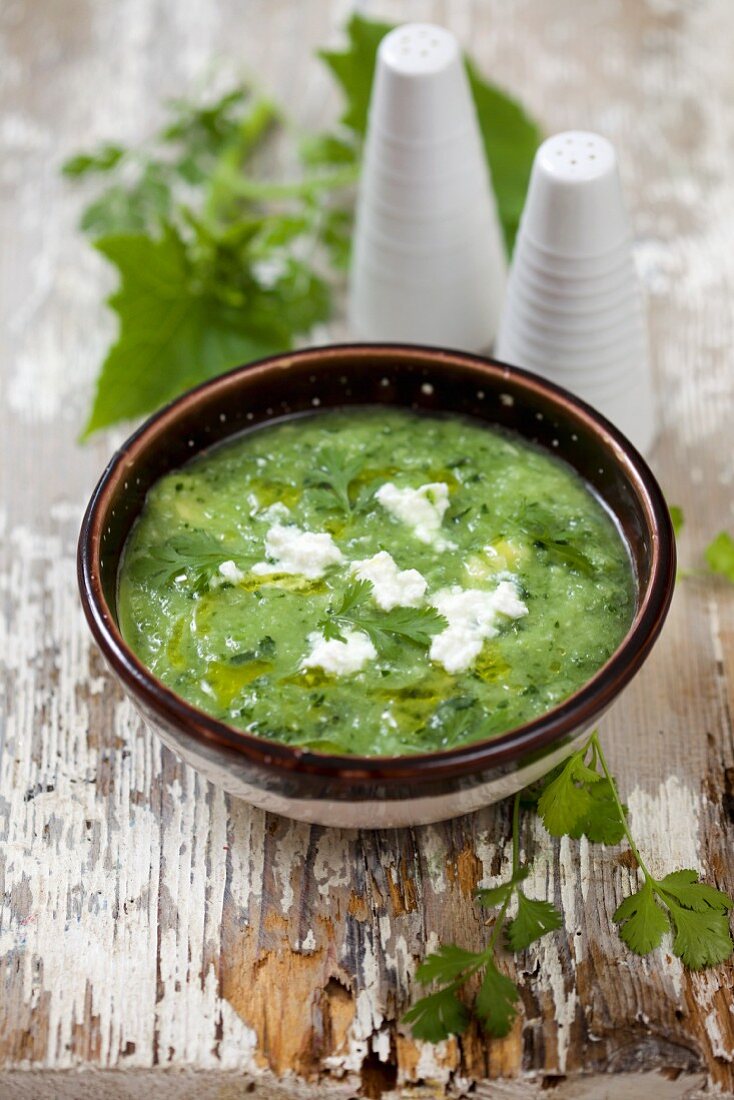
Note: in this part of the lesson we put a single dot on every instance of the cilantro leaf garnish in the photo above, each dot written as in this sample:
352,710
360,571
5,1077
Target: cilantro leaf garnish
335,475
386,629
195,554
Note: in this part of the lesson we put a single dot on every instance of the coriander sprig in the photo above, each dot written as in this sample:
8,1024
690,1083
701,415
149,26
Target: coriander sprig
697,913
578,798
440,1014
386,629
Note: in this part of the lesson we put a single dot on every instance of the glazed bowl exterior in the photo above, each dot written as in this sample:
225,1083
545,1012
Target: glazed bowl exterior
376,792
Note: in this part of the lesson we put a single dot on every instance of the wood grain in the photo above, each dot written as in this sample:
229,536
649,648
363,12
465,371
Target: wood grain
154,933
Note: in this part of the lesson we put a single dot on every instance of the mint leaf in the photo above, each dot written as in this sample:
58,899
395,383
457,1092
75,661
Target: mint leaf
437,1016
534,918
566,801
719,556
642,922
495,1003
446,964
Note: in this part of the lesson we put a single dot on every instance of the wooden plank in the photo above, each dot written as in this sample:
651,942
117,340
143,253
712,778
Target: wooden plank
146,921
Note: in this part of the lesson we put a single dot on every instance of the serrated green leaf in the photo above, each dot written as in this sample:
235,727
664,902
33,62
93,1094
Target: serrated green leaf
719,556
642,922
496,1002
435,1017
175,329
566,800
333,473
446,964
354,68
676,518
699,896
602,823
491,897
511,139
534,918
701,938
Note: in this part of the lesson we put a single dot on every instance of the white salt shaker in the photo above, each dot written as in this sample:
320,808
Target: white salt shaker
573,310
428,261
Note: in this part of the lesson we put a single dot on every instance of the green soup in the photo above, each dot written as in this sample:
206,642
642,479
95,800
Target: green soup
374,582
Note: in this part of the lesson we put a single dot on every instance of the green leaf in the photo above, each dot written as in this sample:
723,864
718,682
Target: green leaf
699,896
336,475
354,68
191,552
701,938
446,964
104,159
175,328
676,518
566,801
496,1001
602,823
385,629
511,139
642,922
719,556
491,897
435,1017
534,918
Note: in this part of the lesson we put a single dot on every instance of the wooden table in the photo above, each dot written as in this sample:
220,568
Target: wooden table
158,935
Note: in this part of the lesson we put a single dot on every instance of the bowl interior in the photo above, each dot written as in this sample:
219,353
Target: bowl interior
410,377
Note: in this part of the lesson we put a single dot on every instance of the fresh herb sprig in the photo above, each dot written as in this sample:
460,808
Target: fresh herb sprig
335,475
218,265
578,798
441,1013
386,629
196,555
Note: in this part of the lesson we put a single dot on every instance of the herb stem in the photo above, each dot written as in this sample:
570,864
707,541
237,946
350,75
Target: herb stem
596,745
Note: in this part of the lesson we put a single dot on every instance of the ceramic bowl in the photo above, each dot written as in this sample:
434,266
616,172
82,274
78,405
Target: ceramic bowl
372,792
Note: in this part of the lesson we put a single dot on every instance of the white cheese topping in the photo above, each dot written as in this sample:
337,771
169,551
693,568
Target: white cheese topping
422,509
292,550
339,658
472,616
230,572
391,586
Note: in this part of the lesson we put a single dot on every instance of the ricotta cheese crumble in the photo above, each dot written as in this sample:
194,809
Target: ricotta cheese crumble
421,509
391,586
229,572
339,658
292,550
472,617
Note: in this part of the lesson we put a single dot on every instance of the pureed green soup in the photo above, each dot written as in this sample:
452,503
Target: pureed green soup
374,582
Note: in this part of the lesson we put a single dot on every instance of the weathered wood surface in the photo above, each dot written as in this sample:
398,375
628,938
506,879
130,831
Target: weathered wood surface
149,924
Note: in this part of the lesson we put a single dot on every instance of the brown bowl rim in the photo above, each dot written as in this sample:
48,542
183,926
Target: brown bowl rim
576,712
